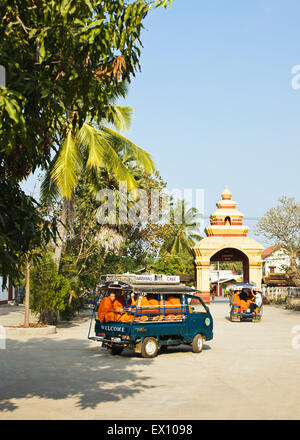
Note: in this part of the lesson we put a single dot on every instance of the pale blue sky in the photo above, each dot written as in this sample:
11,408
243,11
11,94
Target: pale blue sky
214,104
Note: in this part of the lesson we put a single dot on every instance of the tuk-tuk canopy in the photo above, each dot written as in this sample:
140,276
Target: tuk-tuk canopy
151,287
163,288
242,285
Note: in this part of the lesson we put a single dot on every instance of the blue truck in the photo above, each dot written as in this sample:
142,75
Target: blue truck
155,327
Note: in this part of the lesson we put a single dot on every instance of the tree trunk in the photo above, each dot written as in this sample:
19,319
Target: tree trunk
27,291
61,234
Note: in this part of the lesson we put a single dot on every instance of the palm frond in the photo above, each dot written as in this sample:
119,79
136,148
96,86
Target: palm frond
119,90
93,145
67,166
141,157
120,116
195,238
113,162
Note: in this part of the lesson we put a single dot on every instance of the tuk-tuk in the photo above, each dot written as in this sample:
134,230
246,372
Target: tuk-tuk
155,326
245,302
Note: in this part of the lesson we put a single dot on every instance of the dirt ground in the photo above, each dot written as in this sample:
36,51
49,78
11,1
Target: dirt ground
248,371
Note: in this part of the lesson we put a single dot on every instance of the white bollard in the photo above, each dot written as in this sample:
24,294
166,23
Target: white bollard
2,338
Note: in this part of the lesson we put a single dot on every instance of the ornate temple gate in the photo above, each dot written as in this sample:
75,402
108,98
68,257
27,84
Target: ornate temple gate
227,240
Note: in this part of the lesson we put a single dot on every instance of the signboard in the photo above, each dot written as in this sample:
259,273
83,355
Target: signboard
125,278
159,278
146,278
171,278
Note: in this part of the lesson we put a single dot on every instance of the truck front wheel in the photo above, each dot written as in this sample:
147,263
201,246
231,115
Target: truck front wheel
197,344
149,348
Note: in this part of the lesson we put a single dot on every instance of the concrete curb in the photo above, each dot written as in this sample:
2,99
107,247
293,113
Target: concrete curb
40,331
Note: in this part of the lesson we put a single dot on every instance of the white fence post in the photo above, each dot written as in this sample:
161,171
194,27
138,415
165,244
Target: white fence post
2,338
277,291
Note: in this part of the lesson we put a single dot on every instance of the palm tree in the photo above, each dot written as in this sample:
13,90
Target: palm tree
90,149
183,235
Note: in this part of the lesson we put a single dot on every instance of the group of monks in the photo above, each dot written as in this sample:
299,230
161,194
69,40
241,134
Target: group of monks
245,300
111,308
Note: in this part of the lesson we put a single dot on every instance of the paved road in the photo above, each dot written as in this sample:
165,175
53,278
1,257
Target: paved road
250,370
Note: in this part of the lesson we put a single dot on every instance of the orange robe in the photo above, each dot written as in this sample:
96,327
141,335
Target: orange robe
173,301
104,308
127,317
153,302
142,301
118,307
244,305
236,300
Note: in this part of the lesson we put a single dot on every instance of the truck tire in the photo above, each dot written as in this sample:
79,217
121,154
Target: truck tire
256,318
116,349
149,348
234,318
197,344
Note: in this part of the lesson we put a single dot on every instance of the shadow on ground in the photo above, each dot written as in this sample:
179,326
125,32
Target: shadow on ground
48,368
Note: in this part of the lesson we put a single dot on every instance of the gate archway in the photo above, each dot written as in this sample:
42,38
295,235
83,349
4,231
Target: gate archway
227,238
230,255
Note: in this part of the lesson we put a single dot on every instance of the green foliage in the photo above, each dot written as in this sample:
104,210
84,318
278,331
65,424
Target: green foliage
63,61
91,149
184,230
175,264
231,265
281,225
23,227
49,291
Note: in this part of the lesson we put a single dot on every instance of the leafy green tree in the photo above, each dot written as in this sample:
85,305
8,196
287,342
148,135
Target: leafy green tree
175,264
49,291
64,61
281,225
232,265
114,159
23,227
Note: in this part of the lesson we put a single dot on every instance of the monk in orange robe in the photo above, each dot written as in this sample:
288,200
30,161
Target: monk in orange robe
141,302
153,302
118,305
127,317
244,305
106,306
172,300
244,301
236,300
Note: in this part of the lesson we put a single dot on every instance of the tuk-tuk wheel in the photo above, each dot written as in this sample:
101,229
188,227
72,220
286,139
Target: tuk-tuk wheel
116,349
149,348
256,319
235,318
197,343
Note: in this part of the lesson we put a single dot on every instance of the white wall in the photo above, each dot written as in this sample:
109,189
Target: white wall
3,293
